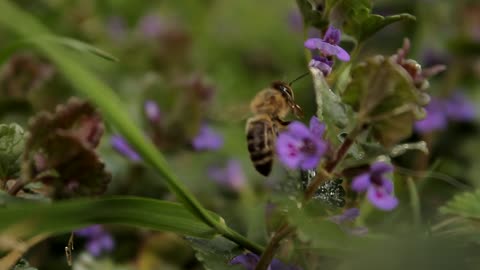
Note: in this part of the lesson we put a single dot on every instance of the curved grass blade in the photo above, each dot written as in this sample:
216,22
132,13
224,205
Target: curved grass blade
37,218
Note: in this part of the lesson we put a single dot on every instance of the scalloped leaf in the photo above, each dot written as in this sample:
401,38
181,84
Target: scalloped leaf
384,95
12,139
357,21
60,150
216,253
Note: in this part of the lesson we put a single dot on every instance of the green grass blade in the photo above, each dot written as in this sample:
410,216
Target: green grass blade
36,218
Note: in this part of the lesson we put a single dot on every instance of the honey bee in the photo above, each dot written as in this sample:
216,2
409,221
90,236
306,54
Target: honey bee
270,106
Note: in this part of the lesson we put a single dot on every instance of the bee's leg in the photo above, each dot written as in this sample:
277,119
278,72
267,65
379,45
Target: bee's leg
281,124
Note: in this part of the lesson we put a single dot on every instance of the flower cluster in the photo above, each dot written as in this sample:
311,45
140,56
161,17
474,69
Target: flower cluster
439,111
98,239
300,147
379,189
328,47
250,260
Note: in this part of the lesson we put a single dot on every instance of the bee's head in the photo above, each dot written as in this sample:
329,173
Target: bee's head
287,93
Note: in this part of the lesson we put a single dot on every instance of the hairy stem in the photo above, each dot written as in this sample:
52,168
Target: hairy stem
281,233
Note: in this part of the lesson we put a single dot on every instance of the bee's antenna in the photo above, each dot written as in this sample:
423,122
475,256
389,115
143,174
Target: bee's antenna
299,77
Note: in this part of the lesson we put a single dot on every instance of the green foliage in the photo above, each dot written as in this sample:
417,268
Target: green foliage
383,94
356,19
311,15
216,253
11,148
466,205
60,217
330,108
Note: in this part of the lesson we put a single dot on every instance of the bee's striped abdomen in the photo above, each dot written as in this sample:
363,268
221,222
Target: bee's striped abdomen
261,141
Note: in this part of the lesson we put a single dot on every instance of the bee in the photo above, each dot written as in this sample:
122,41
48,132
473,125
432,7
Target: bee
270,106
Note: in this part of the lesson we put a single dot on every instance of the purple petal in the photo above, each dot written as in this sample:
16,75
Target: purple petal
231,176
93,247
342,55
90,231
121,146
347,216
298,130
381,199
324,68
459,108
436,118
106,242
288,150
312,43
152,111
361,182
151,26
207,139
332,35
380,168
317,127
249,260
311,159
387,185
279,265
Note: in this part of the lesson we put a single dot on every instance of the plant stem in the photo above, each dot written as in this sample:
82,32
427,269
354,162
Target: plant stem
17,186
283,231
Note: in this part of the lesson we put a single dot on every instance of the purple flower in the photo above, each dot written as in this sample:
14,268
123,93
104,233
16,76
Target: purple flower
231,176
379,189
301,147
455,108
151,26
322,63
347,216
207,139
98,240
116,27
152,111
328,46
249,262
436,118
459,108
122,147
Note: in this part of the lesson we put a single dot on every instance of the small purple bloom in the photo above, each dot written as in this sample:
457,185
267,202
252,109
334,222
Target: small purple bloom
379,189
116,27
349,215
151,26
321,63
249,261
122,147
207,139
152,111
459,108
328,46
98,240
301,147
435,119
455,108
231,176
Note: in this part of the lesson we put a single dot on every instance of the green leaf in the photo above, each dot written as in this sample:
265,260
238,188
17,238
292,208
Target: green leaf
383,94
357,21
330,108
71,43
216,253
11,148
312,16
59,217
466,205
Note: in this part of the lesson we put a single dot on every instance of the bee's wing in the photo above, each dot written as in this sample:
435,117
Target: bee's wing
231,113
